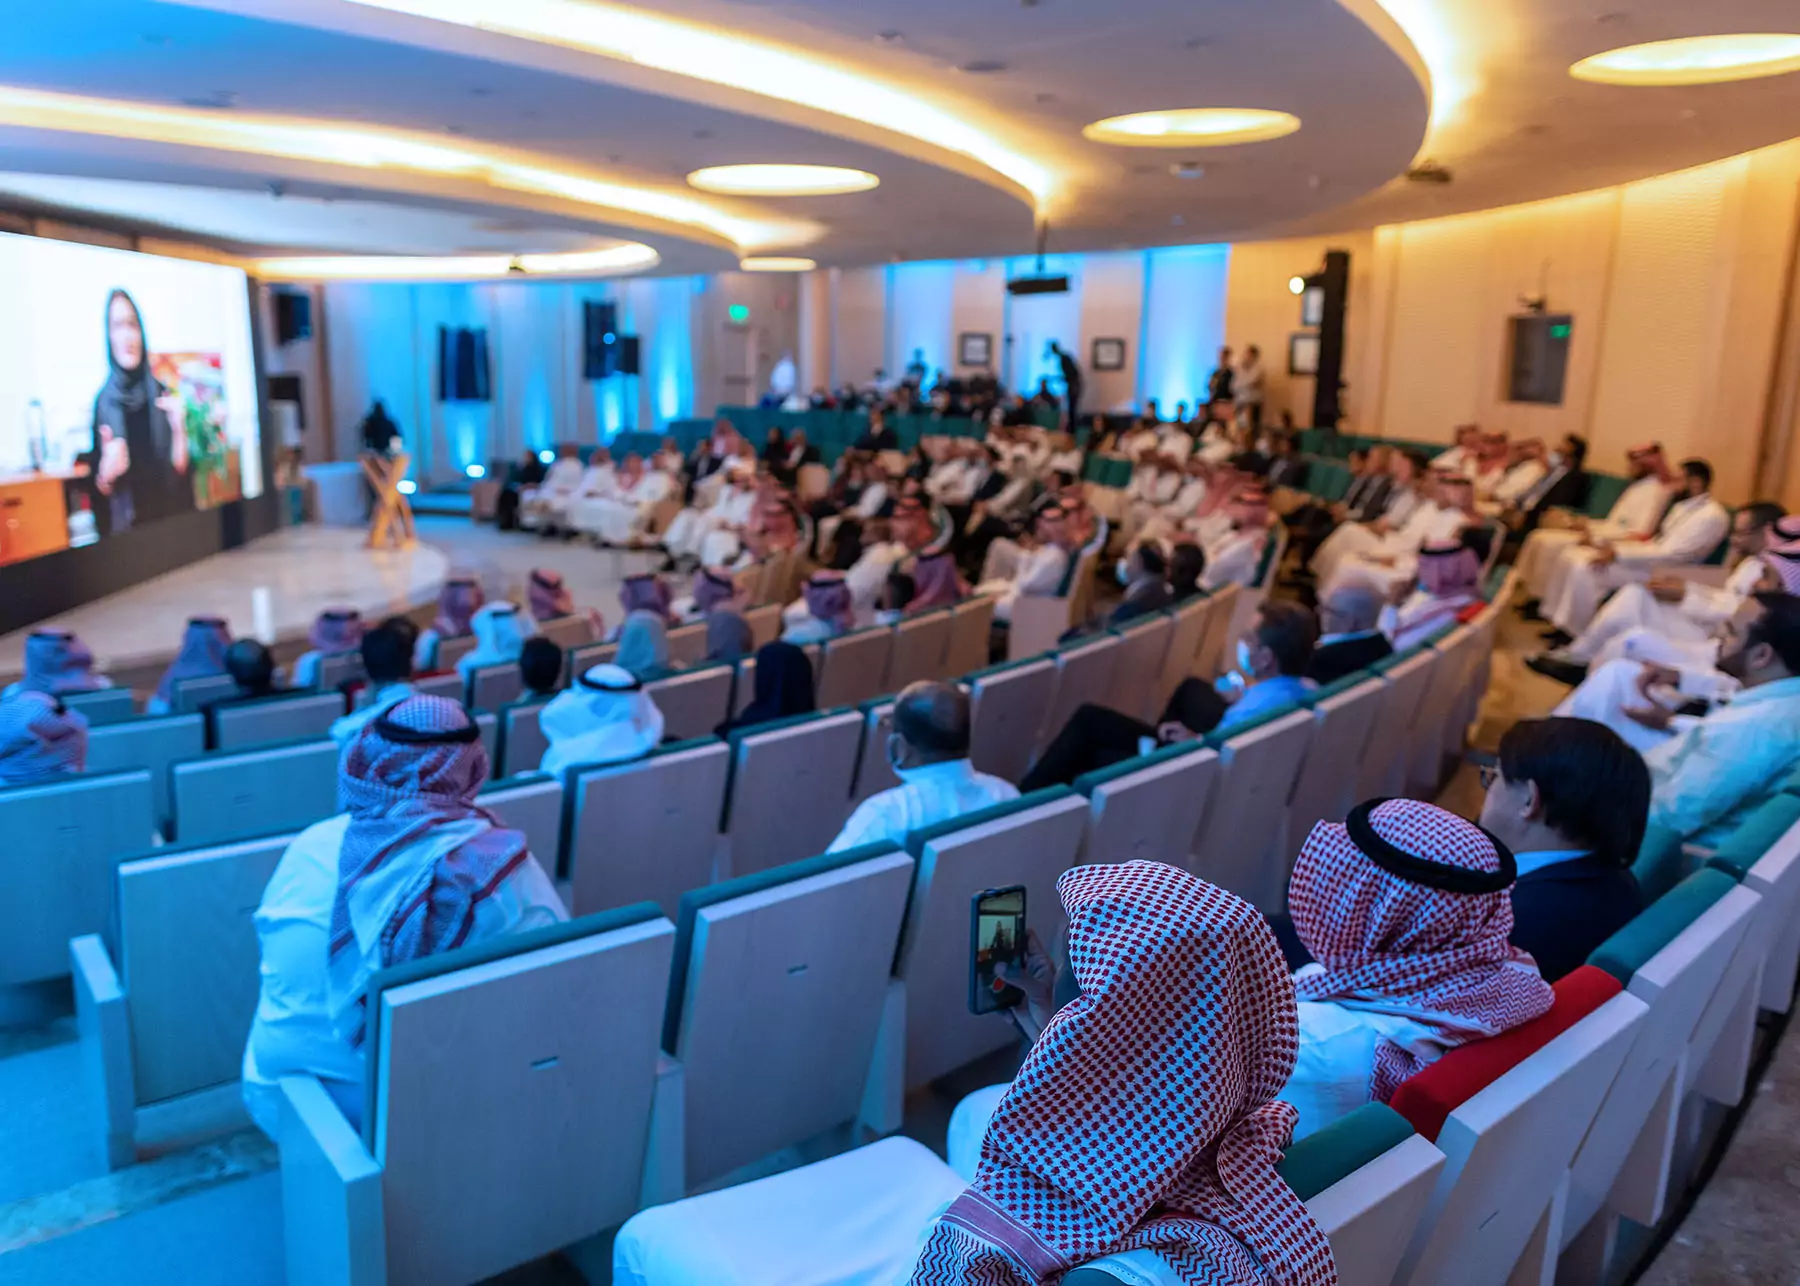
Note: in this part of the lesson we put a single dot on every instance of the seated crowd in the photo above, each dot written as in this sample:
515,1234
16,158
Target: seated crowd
1409,931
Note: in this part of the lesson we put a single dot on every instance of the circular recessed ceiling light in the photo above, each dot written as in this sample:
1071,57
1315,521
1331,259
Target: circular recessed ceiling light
1693,60
1193,127
781,180
774,263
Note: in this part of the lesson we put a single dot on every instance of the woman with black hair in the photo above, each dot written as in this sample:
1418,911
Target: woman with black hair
138,465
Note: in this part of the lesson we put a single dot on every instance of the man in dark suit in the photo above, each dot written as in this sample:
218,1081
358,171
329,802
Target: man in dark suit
1563,486
1348,639
1146,575
1571,800
1371,487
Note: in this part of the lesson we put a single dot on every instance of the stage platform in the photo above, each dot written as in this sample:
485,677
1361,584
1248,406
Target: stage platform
272,588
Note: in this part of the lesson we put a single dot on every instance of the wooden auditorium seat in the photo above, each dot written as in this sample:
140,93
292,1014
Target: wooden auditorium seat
790,787
646,830
1149,808
153,743
693,702
1240,837
222,797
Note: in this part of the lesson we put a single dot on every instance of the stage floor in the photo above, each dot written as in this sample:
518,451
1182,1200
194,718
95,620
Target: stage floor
272,588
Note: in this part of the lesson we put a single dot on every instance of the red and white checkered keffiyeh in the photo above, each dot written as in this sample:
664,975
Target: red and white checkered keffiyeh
1145,1114
402,895
1391,946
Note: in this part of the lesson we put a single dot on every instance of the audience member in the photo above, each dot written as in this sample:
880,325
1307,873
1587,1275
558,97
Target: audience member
202,656
336,631
1012,573
712,588
547,596
1235,557
897,595
1570,799
1097,736
413,867
826,597
929,751
1670,619
1563,486
604,717
782,687
1449,590
500,632
40,739
1187,564
458,601
540,667
1123,1130
58,663
647,592
623,517
936,581
252,667
1143,572
1633,516
1405,912
1272,660
1707,773
644,647
1690,530
541,504
1350,638
387,654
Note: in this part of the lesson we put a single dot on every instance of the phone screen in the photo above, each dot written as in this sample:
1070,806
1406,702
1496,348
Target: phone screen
998,938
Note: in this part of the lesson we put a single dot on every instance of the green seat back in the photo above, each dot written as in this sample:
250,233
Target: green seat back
1660,923
1603,492
1658,864
1342,1148
1756,835
479,953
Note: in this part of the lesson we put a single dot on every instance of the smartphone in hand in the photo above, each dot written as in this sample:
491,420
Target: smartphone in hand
996,936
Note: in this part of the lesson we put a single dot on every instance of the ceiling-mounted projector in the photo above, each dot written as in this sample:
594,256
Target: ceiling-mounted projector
1038,286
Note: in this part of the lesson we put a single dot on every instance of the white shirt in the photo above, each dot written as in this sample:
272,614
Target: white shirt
1705,778
1710,604
1635,513
1529,862
869,504
1233,559
292,1032
386,698
1041,572
925,795
1689,533
868,575
1336,1061
599,480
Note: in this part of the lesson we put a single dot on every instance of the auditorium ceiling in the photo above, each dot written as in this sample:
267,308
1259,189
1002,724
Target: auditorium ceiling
484,127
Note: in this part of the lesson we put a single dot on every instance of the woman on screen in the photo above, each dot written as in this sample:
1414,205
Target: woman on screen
139,460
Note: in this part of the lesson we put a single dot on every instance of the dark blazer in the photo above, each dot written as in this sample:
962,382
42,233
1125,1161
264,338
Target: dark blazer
1335,660
1562,912
1152,598
1289,473
1372,502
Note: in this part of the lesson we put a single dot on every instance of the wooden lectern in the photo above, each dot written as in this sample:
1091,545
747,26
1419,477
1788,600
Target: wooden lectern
392,520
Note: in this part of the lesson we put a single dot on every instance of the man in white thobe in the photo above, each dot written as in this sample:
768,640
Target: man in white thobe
1012,572
929,751
544,502
622,517
1633,516
1670,619
1688,534
1235,557
1707,774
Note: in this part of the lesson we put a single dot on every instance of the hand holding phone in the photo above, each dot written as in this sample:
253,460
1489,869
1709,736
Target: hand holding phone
996,942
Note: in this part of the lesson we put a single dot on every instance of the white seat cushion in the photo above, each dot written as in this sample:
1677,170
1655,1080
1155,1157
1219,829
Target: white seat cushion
853,1220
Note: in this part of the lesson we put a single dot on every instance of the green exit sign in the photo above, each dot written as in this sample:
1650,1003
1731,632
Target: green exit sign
1561,331
739,313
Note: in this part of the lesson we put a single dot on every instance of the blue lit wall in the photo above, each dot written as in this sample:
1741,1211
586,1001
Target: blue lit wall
1183,321
669,362
611,409
918,316
1034,320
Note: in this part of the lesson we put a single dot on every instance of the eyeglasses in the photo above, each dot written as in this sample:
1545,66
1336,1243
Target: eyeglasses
1490,773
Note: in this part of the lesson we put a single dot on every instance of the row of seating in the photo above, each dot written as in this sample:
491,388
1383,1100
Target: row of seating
1511,1159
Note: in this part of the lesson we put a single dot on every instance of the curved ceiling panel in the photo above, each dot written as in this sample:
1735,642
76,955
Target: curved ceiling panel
1033,73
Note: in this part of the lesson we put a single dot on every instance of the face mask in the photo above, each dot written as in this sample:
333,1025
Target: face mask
1122,570
1556,460
1243,659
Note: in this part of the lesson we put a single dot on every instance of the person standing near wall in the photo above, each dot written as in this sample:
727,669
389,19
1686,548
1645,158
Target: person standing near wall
1071,374
1248,392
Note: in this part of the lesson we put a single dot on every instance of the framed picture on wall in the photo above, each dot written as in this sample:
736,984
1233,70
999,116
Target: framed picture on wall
1312,306
1303,353
974,348
1108,355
